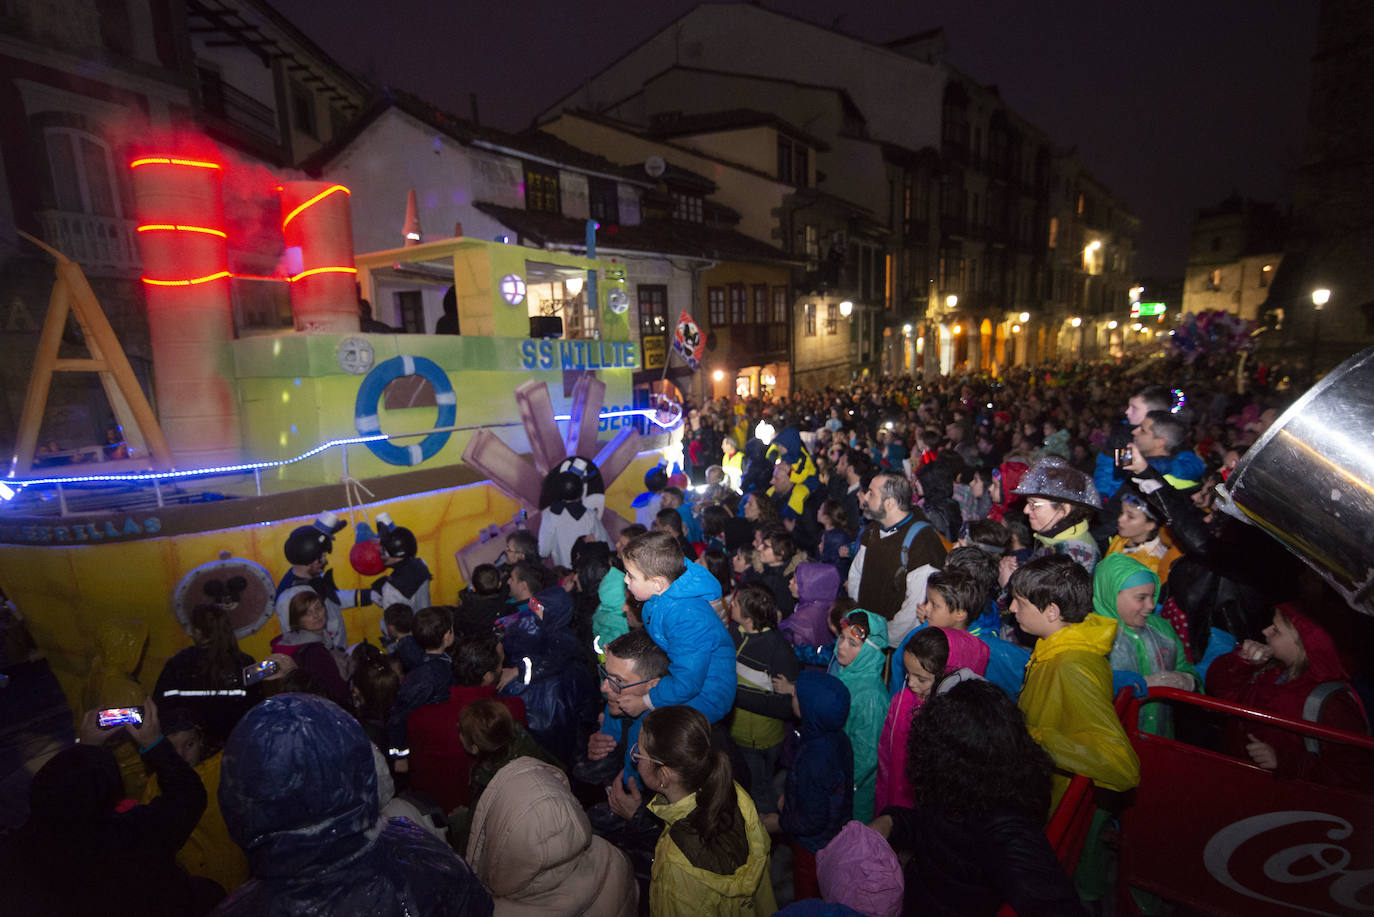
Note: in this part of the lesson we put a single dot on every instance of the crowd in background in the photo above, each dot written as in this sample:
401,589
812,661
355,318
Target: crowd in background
859,641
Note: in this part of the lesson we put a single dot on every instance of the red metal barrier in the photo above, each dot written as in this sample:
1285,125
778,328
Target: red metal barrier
1223,836
1068,826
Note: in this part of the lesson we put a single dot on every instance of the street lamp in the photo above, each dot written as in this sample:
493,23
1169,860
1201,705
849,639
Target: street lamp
846,308
951,300
906,329
958,329
1320,297
718,375
1024,317
1076,321
1112,324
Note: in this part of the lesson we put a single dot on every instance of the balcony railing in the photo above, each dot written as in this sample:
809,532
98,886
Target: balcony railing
101,245
237,107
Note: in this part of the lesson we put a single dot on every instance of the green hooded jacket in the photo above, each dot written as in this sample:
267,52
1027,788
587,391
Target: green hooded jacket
1148,650
868,701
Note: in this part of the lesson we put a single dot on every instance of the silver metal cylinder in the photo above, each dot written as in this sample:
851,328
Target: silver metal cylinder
1309,480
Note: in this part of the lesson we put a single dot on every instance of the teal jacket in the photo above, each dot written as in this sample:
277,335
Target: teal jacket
868,702
608,621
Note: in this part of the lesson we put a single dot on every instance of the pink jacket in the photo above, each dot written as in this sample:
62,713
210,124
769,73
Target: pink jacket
893,789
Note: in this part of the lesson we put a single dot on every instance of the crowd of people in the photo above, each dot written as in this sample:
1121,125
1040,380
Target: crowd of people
868,632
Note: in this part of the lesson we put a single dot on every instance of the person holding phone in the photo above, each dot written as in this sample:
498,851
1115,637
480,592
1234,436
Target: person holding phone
78,853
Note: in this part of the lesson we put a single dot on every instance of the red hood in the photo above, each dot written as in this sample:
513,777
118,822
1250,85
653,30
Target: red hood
1324,661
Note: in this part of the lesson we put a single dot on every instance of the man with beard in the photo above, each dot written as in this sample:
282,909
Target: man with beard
898,550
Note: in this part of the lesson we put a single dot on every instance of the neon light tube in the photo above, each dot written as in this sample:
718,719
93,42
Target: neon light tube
186,283
324,270
170,161
174,227
313,201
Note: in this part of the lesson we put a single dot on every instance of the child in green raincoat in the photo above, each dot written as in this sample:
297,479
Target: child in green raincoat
858,663
1147,645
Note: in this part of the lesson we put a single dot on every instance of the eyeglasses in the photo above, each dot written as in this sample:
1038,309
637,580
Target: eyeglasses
1039,504
616,684
636,754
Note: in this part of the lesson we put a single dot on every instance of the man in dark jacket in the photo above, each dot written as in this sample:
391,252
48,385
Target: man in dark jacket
299,795
77,855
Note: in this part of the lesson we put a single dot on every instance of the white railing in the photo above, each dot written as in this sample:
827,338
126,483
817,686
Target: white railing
98,244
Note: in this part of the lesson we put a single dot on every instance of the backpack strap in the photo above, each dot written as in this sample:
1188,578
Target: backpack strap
1312,709
909,537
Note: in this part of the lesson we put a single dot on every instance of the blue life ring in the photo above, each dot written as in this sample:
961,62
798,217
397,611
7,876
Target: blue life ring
367,422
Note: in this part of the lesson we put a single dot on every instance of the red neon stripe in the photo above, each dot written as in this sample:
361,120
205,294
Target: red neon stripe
325,270
186,283
313,201
278,277
170,161
175,227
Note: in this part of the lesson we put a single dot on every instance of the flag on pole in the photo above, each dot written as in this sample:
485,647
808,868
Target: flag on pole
688,341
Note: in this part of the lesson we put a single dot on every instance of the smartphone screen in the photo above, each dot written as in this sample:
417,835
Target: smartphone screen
119,716
258,671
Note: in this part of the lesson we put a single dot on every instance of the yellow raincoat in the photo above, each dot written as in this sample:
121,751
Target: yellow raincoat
209,851
111,683
1067,700
676,887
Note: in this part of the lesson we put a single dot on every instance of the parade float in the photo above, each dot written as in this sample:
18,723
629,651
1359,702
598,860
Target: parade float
248,437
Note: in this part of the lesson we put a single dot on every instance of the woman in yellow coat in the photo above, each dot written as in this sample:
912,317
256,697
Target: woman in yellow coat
712,857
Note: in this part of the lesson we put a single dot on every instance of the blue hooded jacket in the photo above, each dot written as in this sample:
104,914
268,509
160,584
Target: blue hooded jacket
298,790
701,655
1185,468
819,794
555,680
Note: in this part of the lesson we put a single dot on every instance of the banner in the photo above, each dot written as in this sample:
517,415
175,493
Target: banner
688,340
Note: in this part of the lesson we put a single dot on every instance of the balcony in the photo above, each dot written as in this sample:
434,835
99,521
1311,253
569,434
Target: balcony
101,245
757,342
238,108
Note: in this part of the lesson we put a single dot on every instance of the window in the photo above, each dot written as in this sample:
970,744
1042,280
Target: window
83,180
780,305
1214,280
603,201
541,190
116,28
1054,231
303,110
687,207
760,316
715,306
411,307
739,306
809,311
793,162
578,320
832,318
1079,207
951,269
811,241
653,309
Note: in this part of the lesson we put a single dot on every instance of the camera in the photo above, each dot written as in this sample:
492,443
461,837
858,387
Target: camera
1124,457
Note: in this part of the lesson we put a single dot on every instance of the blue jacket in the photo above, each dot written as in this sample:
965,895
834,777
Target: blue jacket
555,680
701,655
819,794
298,791
1184,467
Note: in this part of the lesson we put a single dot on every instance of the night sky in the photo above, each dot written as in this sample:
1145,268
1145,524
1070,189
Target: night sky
1173,105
